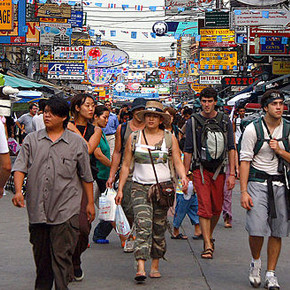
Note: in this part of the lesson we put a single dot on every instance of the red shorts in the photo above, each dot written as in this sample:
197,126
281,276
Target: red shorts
210,195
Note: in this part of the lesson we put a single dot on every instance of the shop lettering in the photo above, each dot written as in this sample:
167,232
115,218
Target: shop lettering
104,59
5,16
238,81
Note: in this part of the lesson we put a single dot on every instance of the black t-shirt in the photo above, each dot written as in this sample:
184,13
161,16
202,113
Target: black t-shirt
90,130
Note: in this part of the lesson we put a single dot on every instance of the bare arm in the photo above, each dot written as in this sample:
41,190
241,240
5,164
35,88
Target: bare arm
101,157
88,189
187,161
116,158
246,200
21,127
125,170
18,199
231,179
5,169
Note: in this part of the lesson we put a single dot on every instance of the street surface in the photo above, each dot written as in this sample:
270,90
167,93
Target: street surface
107,267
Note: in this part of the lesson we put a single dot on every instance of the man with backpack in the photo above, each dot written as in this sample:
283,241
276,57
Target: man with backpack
264,178
208,147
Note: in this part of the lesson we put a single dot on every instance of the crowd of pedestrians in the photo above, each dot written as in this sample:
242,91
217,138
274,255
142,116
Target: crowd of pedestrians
157,154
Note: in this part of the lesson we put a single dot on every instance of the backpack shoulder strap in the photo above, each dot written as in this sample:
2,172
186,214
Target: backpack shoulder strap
123,131
198,118
285,135
135,135
260,135
193,125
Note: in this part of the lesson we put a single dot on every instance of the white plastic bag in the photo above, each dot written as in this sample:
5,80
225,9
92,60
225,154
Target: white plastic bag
107,205
122,224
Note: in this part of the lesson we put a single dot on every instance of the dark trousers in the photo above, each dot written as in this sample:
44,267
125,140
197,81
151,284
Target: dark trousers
104,228
53,246
83,240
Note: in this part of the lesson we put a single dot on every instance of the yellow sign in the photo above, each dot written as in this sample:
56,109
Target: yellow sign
214,32
80,41
6,15
197,87
281,67
218,59
54,10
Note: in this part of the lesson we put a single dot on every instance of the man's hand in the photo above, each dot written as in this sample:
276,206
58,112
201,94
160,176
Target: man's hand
91,213
231,181
275,146
184,182
110,182
18,200
246,201
119,197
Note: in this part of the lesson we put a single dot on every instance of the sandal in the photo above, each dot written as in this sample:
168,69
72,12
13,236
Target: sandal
155,274
212,243
207,254
140,276
179,237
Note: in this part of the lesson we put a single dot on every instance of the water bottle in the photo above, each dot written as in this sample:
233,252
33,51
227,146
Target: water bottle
189,191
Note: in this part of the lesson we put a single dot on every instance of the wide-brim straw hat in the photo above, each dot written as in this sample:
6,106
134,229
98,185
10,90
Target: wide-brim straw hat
155,108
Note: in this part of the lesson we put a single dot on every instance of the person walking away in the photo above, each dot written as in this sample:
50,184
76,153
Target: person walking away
122,135
5,163
82,109
37,120
265,192
150,215
208,162
56,163
111,128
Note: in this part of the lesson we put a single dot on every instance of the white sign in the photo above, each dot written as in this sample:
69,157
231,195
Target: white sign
261,2
120,87
256,17
211,79
55,34
68,52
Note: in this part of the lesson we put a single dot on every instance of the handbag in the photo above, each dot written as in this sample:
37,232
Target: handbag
163,192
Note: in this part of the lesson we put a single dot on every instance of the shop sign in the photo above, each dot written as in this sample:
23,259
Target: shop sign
66,71
104,57
238,81
217,38
80,41
76,19
197,87
218,60
53,20
261,3
281,67
54,10
56,34
6,15
258,59
211,79
68,52
256,17
216,19
182,28
241,38
267,41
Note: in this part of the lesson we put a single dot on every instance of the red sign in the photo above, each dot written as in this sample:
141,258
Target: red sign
238,81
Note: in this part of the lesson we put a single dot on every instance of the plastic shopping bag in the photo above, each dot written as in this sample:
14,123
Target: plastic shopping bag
122,224
107,205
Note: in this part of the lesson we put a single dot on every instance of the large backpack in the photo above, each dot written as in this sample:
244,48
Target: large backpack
214,142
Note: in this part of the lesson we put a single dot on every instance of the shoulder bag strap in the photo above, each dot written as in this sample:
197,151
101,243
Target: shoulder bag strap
151,158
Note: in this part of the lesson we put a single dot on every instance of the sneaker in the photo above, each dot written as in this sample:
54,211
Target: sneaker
271,282
255,274
79,275
129,246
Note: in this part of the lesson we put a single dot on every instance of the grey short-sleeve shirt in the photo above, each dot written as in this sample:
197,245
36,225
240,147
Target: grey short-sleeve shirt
26,119
54,173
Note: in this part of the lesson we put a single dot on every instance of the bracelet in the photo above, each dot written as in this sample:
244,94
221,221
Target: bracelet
232,174
244,191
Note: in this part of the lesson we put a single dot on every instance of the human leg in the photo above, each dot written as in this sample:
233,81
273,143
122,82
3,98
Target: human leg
192,214
39,238
273,252
227,204
179,215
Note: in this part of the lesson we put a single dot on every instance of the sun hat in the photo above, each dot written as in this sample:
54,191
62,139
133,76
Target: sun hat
137,104
156,108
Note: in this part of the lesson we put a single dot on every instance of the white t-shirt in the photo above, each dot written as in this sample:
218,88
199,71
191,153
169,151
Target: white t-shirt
3,141
266,159
37,122
238,132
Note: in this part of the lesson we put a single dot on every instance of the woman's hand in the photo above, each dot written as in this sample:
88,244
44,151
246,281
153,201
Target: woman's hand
119,197
184,182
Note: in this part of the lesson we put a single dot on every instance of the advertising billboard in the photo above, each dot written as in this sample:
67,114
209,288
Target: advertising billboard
218,59
217,38
54,10
68,52
56,34
6,15
66,71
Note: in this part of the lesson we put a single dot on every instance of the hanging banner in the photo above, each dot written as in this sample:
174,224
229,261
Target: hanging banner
103,56
68,52
54,10
217,38
256,17
56,34
265,41
66,71
218,59
281,67
6,15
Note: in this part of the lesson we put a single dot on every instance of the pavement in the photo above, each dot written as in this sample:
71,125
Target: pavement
108,267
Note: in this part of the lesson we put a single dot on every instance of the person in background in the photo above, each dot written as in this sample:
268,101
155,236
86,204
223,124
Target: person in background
56,162
124,109
237,124
124,117
172,127
111,128
37,120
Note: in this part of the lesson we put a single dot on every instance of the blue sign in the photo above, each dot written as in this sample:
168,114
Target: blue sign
76,19
241,38
67,71
273,44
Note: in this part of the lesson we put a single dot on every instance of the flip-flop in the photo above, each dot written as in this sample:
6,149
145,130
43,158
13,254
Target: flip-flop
155,274
207,254
140,277
179,237
199,237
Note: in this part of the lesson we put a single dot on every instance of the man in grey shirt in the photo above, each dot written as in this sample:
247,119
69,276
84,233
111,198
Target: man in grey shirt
24,123
56,162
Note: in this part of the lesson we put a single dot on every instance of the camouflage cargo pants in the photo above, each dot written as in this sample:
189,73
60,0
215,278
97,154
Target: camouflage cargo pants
150,220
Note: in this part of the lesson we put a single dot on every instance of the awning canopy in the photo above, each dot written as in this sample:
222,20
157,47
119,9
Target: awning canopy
21,83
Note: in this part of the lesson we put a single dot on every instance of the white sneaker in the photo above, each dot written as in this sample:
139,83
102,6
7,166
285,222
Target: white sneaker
271,282
255,274
129,246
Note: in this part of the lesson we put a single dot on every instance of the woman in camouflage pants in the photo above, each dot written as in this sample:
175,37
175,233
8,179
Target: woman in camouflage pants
149,217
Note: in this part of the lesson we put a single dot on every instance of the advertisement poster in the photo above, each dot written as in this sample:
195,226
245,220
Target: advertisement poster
54,10
76,19
57,34
68,52
218,59
281,67
6,15
66,71
217,38
182,28
267,41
